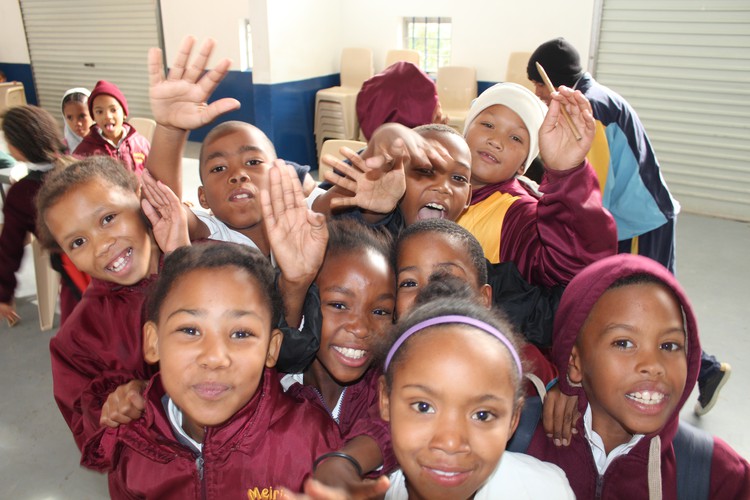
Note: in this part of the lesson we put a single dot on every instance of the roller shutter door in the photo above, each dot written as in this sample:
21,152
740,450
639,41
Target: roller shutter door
685,68
74,43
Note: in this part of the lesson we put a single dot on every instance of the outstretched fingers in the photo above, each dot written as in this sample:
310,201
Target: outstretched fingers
177,69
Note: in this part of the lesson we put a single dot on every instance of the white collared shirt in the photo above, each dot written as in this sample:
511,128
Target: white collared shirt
601,458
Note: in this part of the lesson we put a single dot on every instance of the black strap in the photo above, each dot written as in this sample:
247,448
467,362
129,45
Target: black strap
693,449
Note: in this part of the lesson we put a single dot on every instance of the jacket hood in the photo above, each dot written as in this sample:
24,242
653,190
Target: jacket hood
584,291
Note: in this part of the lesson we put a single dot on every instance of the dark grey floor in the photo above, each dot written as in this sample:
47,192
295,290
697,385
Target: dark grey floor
38,459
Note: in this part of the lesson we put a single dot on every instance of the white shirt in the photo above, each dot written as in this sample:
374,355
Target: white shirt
517,476
596,443
222,232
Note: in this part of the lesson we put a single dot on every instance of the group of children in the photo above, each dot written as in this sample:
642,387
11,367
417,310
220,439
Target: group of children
360,336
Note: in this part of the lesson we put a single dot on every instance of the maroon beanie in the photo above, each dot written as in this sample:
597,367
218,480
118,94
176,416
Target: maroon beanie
107,88
402,93
560,61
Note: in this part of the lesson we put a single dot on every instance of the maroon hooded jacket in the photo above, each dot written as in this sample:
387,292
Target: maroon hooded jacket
552,237
132,151
271,442
98,348
627,476
359,414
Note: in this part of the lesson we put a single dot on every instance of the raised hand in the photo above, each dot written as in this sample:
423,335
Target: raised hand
180,100
557,144
124,404
298,236
165,212
8,312
378,183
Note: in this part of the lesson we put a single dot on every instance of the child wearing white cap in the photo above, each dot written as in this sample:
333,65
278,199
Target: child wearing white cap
551,234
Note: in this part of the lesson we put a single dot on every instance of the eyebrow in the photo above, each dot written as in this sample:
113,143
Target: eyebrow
479,399
242,149
438,265
232,313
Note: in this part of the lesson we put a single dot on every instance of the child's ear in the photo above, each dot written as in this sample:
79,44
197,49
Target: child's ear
274,347
385,404
485,294
575,369
202,197
150,343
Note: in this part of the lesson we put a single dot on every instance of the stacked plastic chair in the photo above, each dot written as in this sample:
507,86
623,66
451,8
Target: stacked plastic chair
336,107
457,87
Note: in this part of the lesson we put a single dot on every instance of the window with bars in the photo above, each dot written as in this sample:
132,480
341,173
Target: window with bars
431,37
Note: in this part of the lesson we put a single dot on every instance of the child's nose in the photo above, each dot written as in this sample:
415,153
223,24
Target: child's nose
450,434
239,176
650,362
103,243
495,142
213,354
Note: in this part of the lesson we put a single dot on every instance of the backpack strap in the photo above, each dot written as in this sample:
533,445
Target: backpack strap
693,449
531,415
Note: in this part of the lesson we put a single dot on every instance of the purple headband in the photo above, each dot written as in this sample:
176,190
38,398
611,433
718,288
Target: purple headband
454,318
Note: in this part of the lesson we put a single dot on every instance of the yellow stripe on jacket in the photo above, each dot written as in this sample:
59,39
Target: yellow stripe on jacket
485,221
598,155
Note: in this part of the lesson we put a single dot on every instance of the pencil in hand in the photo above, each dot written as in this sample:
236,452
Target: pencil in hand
551,88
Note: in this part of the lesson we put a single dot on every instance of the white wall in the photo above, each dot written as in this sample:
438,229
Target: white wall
485,32
13,48
218,20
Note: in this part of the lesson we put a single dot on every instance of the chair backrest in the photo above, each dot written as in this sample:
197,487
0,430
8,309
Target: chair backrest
516,71
144,126
396,55
331,147
457,87
356,67
11,94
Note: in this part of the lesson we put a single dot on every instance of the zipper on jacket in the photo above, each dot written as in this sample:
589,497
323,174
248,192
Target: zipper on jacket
599,484
199,463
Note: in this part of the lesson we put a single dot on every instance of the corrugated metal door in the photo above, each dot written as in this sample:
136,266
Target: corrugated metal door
75,43
685,67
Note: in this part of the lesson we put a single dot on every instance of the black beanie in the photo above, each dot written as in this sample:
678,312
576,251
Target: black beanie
560,61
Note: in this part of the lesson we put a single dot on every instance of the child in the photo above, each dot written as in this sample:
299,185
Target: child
91,211
33,137
552,237
111,136
448,435
627,339
76,115
216,422
235,157
355,290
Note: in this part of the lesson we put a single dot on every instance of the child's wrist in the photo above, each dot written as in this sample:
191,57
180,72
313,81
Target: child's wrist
338,454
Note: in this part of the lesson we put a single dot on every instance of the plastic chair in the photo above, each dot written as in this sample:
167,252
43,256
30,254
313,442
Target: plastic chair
11,94
457,87
396,55
332,147
47,285
144,126
516,71
340,102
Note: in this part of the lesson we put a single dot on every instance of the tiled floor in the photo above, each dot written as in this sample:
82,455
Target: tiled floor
38,459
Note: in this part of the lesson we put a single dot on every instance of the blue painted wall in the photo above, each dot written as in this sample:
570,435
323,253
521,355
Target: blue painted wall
21,73
286,113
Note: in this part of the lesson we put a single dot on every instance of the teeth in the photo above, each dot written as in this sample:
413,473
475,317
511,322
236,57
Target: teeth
119,264
435,206
443,473
351,353
646,397
242,196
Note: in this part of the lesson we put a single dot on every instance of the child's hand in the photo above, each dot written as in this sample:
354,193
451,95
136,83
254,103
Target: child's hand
124,405
179,101
8,312
557,144
559,416
315,490
378,183
293,230
165,212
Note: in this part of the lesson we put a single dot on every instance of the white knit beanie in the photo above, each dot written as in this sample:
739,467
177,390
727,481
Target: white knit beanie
520,100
